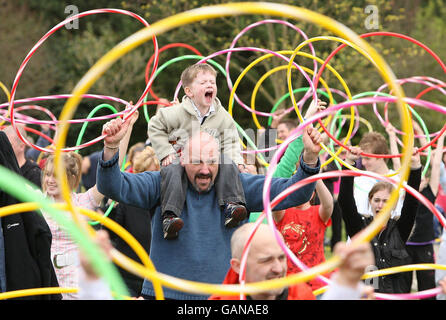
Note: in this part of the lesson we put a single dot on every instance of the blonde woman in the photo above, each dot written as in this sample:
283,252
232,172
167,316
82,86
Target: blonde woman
64,250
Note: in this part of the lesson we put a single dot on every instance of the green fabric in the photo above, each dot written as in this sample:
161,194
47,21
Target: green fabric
287,164
285,168
253,216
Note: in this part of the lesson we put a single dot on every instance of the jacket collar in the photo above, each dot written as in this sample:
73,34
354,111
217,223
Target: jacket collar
189,107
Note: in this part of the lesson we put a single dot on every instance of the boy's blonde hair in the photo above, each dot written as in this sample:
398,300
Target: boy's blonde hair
189,74
145,159
73,166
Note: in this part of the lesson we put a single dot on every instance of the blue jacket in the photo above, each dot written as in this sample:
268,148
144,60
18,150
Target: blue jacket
202,251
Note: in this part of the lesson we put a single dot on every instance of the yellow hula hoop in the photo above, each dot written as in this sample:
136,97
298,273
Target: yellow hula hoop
341,80
307,55
300,46
266,75
35,292
257,87
293,100
361,119
112,225
8,95
393,270
262,8
350,130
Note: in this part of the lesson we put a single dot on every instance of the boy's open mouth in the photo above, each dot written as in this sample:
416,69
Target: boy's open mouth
208,95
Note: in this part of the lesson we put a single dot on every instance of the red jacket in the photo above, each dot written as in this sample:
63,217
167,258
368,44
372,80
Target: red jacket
300,291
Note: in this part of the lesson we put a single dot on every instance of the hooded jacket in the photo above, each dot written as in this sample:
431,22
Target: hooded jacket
389,245
27,240
173,125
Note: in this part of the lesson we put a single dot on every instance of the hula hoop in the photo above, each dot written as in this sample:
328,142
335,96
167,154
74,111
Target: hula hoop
46,36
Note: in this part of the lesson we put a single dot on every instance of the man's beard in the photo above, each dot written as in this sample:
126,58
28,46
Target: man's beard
201,176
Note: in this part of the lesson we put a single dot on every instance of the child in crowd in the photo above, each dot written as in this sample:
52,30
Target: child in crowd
389,246
64,250
168,130
373,143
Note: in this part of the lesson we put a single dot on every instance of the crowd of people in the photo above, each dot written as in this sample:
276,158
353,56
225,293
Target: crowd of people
191,199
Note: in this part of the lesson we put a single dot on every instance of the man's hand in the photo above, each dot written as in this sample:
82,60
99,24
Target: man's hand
311,139
115,131
353,155
354,261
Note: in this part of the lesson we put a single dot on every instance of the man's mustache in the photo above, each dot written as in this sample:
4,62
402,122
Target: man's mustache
203,176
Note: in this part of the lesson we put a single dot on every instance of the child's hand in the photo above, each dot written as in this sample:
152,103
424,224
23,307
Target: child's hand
167,160
277,116
315,108
311,139
415,161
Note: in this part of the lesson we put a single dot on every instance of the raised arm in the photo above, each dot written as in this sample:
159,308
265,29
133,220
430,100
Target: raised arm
393,146
123,145
315,107
309,165
352,219
410,204
290,158
436,165
326,199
